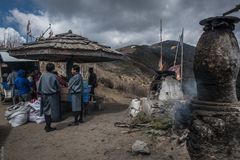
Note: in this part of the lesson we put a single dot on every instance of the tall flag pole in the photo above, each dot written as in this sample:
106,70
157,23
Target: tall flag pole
29,32
51,31
176,54
181,41
4,39
161,54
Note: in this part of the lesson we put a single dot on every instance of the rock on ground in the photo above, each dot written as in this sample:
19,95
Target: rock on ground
140,147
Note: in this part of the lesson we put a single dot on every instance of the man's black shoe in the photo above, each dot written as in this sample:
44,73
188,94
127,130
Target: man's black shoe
74,124
49,129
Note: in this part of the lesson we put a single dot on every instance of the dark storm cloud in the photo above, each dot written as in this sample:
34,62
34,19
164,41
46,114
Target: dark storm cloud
125,15
140,16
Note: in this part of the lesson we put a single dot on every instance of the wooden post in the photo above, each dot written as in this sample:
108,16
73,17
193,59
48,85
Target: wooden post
1,80
182,56
69,68
176,54
161,49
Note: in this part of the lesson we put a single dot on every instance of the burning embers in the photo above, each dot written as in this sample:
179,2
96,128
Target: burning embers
215,128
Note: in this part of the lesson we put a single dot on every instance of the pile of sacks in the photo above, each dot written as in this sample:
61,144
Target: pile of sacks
34,113
24,112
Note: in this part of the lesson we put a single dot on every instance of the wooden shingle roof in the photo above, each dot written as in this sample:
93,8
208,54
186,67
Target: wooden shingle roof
66,47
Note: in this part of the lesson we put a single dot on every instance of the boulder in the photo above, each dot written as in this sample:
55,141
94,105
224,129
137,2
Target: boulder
140,147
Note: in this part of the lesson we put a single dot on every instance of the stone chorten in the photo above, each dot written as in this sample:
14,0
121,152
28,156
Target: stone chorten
215,127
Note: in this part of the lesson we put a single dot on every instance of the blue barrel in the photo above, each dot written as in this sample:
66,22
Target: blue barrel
69,98
85,84
85,93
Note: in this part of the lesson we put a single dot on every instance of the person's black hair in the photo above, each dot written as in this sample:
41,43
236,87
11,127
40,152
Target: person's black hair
90,69
50,67
55,72
13,69
76,68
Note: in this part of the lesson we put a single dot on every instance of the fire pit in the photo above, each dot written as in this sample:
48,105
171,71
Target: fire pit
215,127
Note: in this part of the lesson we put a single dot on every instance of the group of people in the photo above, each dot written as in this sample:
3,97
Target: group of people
22,85
47,86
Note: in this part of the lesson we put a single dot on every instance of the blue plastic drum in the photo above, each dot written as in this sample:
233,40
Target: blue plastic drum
85,93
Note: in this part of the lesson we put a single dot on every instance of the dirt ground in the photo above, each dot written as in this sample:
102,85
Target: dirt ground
96,139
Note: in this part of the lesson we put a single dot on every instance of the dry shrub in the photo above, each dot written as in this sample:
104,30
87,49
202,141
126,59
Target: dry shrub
106,82
138,90
130,85
163,123
141,118
131,88
121,87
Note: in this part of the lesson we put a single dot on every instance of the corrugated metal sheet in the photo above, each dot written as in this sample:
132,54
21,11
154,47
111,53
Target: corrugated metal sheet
7,58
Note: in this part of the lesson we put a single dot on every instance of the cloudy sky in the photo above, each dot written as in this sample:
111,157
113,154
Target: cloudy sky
115,23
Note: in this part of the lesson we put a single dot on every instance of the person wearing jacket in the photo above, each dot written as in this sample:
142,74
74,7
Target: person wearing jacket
92,80
23,86
75,86
49,90
10,81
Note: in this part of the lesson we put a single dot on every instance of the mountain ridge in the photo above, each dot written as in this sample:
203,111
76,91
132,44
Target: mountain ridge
149,56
